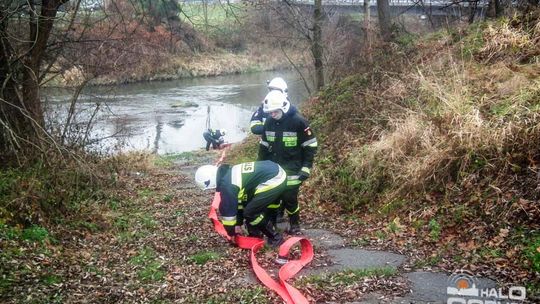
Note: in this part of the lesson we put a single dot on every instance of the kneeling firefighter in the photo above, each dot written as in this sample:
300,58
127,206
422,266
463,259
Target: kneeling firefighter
255,185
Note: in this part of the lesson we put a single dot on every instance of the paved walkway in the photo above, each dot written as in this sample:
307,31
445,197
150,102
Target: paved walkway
426,287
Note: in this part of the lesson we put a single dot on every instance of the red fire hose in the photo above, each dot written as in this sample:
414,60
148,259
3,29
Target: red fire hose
287,292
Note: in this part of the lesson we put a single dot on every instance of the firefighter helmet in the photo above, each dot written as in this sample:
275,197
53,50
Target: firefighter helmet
275,100
278,84
205,177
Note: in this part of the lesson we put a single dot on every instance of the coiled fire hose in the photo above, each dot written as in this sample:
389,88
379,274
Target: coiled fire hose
286,291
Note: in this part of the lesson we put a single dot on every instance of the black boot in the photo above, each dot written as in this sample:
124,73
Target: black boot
272,216
281,215
273,238
253,231
294,224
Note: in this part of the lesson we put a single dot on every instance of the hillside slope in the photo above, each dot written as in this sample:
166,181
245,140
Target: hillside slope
435,151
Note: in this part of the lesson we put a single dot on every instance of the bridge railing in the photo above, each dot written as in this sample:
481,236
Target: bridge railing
438,3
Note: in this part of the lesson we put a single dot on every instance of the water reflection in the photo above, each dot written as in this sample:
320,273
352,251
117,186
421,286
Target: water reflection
151,116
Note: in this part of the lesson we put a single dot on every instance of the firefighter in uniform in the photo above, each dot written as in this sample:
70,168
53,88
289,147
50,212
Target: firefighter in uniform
246,191
288,141
214,138
259,117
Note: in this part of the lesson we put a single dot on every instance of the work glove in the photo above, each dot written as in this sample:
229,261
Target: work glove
303,175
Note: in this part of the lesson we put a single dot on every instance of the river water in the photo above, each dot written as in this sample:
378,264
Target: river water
151,116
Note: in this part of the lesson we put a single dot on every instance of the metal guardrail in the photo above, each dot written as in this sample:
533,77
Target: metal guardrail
439,3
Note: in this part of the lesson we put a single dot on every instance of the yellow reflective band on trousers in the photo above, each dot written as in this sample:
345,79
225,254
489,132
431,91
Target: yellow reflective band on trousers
293,212
273,182
257,220
274,206
242,196
228,222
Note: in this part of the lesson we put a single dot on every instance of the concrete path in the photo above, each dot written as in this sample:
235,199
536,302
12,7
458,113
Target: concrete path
426,287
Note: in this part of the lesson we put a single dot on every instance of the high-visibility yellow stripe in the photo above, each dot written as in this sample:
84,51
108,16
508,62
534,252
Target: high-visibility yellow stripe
310,143
306,169
295,211
294,182
257,220
273,182
228,223
274,206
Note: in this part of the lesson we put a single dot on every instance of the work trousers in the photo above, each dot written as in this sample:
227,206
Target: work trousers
211,141
288,200
255,211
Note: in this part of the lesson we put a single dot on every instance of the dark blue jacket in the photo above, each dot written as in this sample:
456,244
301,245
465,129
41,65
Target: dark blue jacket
290,142
238,183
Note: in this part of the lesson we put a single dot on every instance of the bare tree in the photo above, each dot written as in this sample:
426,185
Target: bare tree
316,45
21,112
494,9
43,40
367,11
385,22
294,23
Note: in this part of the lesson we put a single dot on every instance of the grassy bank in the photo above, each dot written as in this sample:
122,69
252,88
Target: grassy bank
254,59
148,239
445,151
435,151
119,46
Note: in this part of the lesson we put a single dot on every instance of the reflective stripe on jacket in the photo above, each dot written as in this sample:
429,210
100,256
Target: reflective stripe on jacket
243,181
290,142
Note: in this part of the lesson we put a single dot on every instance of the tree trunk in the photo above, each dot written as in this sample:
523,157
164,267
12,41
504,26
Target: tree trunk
21,112
367,29
316,45
205,14
367,12
472,13
383,10
494,9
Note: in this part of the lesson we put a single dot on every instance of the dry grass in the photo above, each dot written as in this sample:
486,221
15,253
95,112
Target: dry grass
438,122
449,128
511,40
253,59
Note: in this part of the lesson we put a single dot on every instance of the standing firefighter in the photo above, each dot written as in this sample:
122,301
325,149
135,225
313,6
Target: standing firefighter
259,116
256,185
288,141
214,138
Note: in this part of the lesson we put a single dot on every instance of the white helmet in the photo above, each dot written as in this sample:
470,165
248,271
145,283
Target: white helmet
278,84
205,177
275,100
223,132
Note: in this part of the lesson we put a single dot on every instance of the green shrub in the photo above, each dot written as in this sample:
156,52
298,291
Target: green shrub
532,252
434,229
151,272
35,234
203,257
144,256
